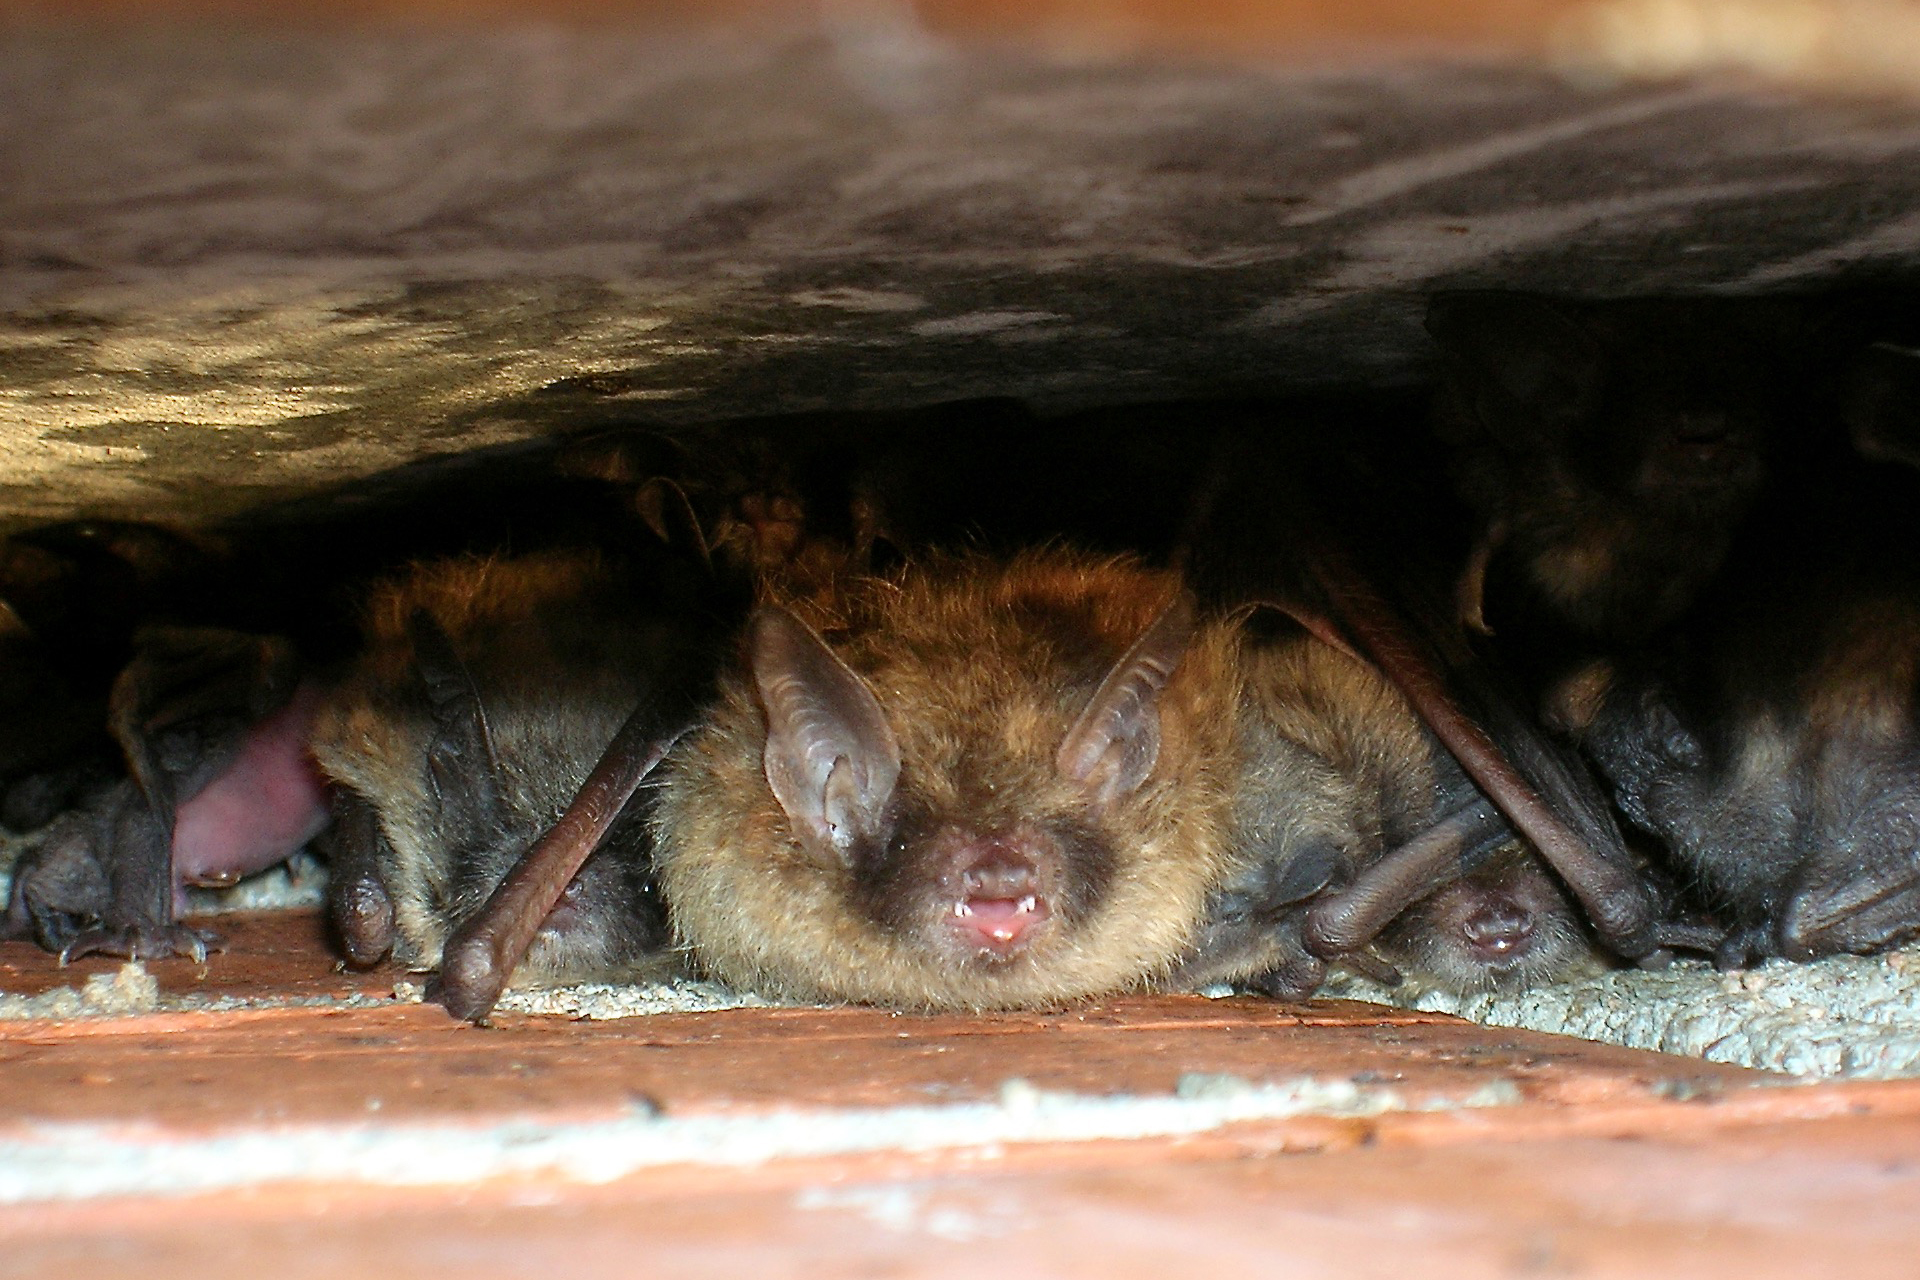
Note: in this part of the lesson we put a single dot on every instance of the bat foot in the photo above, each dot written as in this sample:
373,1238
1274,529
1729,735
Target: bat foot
1744,948
142,942
1295,979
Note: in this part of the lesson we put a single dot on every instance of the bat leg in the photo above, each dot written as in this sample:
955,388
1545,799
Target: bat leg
482,953
105,882
110,852
1690,937
1745,948
357,899
1545,795
1340,924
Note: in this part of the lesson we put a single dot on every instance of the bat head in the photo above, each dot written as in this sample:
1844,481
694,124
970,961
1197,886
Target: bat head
1658,402
985,787
1505,925
1600,437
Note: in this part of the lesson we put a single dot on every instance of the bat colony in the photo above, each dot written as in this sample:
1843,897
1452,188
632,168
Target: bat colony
840,709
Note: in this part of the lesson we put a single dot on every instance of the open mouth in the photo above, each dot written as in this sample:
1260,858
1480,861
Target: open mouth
1000,907
999,926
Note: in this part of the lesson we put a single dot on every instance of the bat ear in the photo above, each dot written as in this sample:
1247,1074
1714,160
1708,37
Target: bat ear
831,758
663,506
1112,746
1529,368
1880,403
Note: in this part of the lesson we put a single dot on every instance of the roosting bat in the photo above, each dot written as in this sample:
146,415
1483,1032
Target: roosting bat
213,725
1611,451
208,722
488,690
1505,925
1004,854
978,784
967,785
1360,841
1354,573
1771,740
72,596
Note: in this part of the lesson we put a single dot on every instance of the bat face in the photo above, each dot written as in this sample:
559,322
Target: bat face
970,786
213,727
1612,449
1354,827
1503,926
489,689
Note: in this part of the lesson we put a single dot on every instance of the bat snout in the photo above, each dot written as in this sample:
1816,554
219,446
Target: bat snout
1499,929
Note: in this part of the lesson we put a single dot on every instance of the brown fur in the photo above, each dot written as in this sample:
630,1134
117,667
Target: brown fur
981,669
1332,757
558,655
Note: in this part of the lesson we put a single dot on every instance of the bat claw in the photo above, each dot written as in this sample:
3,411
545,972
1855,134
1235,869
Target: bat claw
1660,958
142,942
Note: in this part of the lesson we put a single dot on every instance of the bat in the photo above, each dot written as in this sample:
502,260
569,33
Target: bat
213,725
1770,741
1505,925
72,596
1362,843
1610,451
984,784
1356,577
728,913
967,784
468,733
149,639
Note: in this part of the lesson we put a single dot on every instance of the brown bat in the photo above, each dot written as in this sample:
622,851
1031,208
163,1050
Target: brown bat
213,725
921,960
1365,575
1611,451
1771,741
981,785
965,786
468,734
1505,925
1362,842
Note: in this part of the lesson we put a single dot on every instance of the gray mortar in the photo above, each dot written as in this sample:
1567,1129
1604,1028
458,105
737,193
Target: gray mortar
1844,1016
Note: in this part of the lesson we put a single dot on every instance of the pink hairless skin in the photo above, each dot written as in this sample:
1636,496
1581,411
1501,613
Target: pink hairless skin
258,811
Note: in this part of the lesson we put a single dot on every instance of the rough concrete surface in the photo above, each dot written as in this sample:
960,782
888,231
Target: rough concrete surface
241,261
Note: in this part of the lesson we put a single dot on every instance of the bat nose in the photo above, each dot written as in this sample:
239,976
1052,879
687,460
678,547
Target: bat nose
1499,929
1000,877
